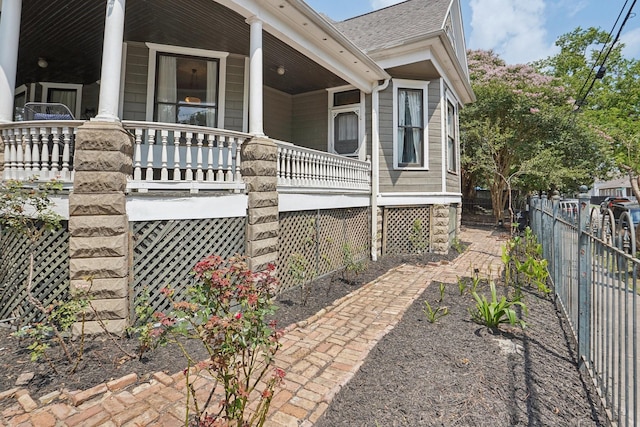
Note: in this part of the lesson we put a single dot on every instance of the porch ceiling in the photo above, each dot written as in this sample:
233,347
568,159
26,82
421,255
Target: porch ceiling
69,33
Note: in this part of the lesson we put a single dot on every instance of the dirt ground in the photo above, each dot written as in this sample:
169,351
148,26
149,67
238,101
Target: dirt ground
450,373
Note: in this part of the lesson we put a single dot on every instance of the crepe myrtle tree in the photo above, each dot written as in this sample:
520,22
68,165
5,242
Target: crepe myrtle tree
519,121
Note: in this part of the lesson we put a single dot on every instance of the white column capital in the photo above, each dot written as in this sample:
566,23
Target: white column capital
255,19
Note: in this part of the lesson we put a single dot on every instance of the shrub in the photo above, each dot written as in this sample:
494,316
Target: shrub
226,312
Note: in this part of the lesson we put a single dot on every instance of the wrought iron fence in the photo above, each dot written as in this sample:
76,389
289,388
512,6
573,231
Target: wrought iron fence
594,268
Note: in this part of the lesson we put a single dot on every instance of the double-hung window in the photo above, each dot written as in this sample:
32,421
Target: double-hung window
186,90
452,137
186,85
410,124
345,122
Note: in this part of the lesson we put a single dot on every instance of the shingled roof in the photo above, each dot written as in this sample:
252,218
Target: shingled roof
394,24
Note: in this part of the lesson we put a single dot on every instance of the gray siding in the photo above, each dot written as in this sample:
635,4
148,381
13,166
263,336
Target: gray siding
234,95
310,120
278,111
411,180
135,82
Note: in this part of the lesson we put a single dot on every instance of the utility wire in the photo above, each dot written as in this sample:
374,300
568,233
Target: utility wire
595,64
600,72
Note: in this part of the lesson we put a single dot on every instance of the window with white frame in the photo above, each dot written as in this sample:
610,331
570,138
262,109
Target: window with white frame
410,124
186,90
63,93
186,85
345,122
452,137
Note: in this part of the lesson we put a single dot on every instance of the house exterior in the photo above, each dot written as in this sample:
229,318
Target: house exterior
256,126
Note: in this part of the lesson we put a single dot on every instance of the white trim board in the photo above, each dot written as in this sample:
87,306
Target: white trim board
290,202
411,199
149,208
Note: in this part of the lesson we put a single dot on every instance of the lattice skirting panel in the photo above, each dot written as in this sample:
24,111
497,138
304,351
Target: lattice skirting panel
50,275
406,230
165,252
318,239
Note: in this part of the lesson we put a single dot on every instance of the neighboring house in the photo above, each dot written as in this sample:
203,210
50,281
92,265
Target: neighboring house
255,126
613,187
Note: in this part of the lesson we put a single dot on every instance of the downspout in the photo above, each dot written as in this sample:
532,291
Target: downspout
375,163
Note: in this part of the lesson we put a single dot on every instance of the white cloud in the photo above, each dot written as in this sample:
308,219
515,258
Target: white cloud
572,7
379,4
631,40
514,29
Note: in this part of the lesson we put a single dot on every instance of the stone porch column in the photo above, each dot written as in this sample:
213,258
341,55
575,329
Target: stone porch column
10,38
98,224
259,170
440,229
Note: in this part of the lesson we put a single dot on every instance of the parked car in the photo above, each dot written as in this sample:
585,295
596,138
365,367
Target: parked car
569,206
608,202
622,222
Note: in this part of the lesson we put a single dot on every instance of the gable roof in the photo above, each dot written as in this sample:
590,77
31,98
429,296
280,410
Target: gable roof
395,24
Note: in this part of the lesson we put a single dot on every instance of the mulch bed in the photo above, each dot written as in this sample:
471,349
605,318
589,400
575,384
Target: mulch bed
450,373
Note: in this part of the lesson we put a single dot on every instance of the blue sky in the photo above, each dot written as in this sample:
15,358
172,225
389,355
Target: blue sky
519,30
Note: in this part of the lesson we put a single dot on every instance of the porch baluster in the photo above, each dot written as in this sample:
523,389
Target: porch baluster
296,168
26,144
188,173
66,147
137,156
229,170
210,173
55,153
199,173
164,172
19,168
236,159
8,150
279,165
220,145
44,154
287,164
35,138
151,137
176,155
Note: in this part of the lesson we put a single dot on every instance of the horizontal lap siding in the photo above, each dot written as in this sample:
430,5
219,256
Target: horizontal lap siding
310,120
278,114
411,181
453,183
135,83
234,94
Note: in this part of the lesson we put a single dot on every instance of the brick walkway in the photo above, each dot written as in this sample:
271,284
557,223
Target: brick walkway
319,356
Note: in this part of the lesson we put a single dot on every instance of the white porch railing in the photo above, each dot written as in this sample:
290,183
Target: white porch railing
171,156
176,157
40,149
317,170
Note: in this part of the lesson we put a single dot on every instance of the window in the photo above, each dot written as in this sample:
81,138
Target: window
63,93
186,85
345,127
19,100
452,137
186,90
409,120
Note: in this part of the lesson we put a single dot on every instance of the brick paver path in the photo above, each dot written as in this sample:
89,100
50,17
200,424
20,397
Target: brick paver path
319,355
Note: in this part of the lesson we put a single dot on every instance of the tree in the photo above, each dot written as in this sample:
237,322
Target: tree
612,106
518,133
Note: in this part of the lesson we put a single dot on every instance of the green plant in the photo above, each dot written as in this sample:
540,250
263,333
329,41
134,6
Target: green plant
433,314
495,312
226,312
298,267
144,323
462,285
441,289
351,265
458,246
416,236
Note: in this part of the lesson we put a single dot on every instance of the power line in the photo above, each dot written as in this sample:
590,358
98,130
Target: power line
601,70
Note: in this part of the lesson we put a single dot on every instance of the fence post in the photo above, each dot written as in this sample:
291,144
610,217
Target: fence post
556,243
584,278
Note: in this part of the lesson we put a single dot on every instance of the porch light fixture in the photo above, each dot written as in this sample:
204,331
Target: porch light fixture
280,70
42,63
